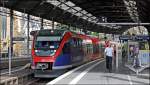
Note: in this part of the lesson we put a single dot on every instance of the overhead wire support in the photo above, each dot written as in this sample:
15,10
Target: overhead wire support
124,24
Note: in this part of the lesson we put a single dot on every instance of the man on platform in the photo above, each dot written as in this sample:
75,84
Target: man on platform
109,55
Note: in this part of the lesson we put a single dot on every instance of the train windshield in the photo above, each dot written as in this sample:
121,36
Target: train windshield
46,45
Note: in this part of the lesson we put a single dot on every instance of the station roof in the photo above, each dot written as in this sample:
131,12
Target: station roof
84,14
144,11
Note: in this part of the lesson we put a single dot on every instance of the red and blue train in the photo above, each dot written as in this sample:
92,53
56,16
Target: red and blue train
56,50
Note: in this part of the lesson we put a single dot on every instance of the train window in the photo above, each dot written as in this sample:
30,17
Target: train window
77,42
88,48
66,48
47,44
91,48
73,42
46,48
95,48
80,42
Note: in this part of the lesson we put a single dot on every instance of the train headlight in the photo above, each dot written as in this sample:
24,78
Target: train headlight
36,50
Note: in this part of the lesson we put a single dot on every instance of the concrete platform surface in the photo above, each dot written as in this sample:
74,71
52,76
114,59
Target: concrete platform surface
96,73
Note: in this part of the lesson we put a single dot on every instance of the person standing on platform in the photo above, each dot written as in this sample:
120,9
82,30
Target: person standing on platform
109,55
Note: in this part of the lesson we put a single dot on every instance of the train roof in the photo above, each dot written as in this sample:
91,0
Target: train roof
60,32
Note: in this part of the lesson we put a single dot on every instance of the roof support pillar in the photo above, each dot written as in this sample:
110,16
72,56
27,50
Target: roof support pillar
28,37
69,27
53,24
61,24
80,30
42,23
11,40
85,30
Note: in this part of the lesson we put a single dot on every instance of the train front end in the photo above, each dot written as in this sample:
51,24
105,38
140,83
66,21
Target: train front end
44,48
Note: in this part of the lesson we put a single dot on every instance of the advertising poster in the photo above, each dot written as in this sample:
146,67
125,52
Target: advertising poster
144,56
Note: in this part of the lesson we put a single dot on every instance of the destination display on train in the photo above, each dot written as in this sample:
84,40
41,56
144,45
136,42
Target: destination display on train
50,33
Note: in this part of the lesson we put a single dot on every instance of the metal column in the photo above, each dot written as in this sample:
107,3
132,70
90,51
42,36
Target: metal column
11,40
28,37
42,23
0,42
117,56
52,24
69,27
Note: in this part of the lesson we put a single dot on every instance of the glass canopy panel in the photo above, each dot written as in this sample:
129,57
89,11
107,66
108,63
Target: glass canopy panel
84,17
90,19
78,14
89,14
72,10
54,2
77,8
94,21
93,17
84,12
64,7
70,3
132,10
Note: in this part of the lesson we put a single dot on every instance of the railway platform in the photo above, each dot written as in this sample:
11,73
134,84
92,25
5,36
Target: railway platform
96,73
